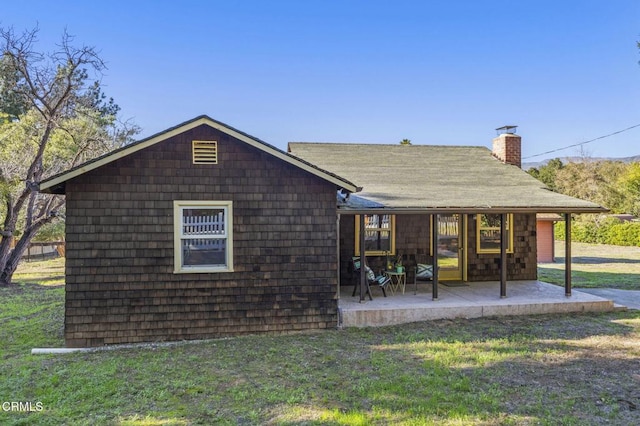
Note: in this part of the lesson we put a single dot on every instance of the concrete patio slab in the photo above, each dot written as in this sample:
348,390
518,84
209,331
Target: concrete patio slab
628,298
478,299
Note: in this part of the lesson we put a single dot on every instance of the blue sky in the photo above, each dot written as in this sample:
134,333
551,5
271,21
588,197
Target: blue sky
436,72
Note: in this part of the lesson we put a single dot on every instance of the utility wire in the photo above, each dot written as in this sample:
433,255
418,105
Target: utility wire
582,143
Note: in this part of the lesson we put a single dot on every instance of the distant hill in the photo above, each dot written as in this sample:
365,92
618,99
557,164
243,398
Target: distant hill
565,160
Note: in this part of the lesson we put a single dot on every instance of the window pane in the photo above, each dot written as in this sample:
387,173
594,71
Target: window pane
490,221
204,252
489,232
375,221
385,221
377,241
378,233
490,239
200,221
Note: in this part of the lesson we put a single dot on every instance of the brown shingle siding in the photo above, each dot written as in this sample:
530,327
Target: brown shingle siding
413,240
120,247
522,264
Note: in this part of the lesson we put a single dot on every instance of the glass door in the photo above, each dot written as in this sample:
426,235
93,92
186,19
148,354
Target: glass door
451,246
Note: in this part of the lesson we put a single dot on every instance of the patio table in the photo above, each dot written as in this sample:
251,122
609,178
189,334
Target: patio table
398,279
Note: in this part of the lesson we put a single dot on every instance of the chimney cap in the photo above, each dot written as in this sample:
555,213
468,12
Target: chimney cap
509,129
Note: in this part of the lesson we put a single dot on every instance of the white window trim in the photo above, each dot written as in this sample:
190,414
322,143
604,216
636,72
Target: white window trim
178,206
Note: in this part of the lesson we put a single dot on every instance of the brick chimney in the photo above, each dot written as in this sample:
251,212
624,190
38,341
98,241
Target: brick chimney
507,146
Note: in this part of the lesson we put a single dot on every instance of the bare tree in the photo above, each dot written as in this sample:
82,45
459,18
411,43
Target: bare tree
63,106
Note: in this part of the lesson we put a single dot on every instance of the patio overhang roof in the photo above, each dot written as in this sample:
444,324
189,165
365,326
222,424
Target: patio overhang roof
466,210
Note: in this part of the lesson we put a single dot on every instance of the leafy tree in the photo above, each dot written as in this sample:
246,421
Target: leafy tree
547,173
56,117
629,182
12,105
613,184
405,142
594,181
611,193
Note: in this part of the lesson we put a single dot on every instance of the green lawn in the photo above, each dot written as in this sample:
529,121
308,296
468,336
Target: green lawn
48,272
549,370
595,265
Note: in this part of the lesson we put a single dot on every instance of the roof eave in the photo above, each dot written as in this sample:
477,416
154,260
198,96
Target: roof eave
56,184
470,210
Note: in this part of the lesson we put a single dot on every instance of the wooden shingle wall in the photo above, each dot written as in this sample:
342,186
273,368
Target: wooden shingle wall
120,282
347,247
413,240
522,264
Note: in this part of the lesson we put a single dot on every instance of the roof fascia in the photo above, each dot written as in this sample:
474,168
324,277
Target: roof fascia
467,210
135,147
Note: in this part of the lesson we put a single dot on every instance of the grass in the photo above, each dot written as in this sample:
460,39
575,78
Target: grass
48,272
33,311
595,265
548,370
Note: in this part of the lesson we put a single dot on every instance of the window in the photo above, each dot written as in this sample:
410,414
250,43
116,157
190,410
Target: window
379,237
203,236
205,152
488,233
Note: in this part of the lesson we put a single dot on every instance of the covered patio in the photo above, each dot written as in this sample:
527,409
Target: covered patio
473,300
466,212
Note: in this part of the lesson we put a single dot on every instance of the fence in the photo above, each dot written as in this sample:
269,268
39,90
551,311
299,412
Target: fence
47,250
208,250
203,225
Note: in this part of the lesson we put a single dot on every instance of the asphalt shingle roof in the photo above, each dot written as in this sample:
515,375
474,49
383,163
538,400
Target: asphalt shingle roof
435,177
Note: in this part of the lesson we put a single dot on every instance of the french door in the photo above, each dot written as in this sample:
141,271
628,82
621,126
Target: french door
451,246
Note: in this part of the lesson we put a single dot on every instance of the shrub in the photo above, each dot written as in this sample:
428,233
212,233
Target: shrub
609,231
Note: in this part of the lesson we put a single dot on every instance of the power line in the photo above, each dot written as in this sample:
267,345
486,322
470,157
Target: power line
582,143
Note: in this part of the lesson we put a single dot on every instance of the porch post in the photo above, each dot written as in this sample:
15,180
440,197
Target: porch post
434,249
363,273
567,254
338,255
363,260
503,255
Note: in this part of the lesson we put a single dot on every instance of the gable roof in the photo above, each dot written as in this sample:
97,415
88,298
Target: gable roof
56,184
436,178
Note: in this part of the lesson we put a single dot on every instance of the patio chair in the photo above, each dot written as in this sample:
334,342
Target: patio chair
423,272
380,280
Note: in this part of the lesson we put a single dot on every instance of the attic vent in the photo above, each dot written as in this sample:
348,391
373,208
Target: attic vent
205,152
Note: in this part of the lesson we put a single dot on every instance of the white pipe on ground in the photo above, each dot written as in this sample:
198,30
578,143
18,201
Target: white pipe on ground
144,345
44,351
